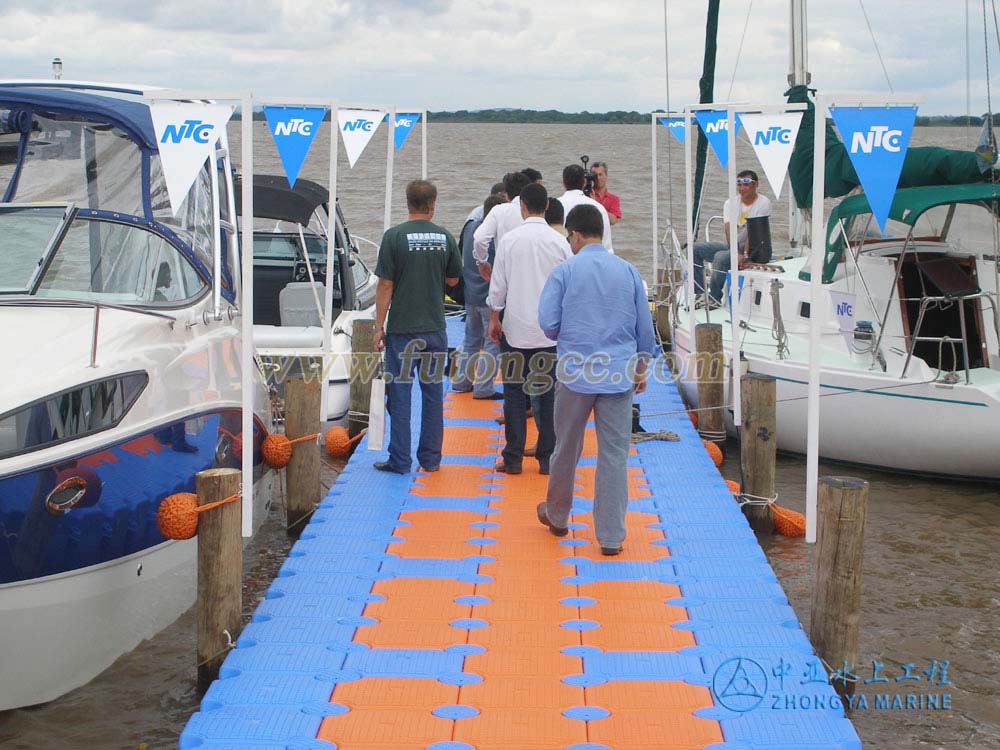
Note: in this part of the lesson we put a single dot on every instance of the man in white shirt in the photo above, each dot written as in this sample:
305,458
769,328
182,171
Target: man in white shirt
574,178
524,259
752,205
501,220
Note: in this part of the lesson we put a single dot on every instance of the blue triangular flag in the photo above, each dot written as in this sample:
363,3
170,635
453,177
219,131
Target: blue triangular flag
876,139
676,127
714,124
405,122
293,130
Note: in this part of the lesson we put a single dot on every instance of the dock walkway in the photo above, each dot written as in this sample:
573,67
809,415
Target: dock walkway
433,611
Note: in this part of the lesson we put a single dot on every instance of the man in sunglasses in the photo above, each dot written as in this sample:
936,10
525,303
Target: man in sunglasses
752,205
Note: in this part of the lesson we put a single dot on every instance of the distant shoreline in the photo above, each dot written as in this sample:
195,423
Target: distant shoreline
617,117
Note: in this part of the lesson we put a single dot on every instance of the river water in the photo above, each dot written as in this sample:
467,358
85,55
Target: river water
931,587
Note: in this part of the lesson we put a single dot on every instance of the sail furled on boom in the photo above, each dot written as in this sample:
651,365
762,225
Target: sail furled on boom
924,165
706,90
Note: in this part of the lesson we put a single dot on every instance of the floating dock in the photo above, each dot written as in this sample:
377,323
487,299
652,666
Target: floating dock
434,612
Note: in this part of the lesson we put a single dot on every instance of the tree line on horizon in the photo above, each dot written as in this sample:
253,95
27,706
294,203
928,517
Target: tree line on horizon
619,117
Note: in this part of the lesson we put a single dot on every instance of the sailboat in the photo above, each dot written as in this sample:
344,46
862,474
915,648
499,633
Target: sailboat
910,367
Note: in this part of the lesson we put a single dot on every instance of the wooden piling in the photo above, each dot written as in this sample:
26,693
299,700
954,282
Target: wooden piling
220,571
362,349
758,447
710,369
842,506
302,405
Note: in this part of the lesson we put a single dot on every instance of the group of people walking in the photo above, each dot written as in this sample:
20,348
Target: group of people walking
564,321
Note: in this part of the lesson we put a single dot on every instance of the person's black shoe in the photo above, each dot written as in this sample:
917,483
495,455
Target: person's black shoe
611,551
495,396
432,469
504,468
386,466
543,518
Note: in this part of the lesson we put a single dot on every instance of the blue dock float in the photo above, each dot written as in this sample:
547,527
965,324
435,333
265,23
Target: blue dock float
433,611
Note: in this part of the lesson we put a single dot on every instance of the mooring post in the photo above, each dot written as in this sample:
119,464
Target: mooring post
758,448
220,571
361,373
302,405
842,506
710,371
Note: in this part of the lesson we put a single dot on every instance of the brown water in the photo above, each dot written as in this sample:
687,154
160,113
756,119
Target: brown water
931,588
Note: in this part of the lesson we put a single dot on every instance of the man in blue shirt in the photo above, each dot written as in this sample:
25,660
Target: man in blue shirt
594,306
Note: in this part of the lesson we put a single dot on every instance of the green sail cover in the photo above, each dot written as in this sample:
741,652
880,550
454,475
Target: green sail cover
908,206
924,165
706,90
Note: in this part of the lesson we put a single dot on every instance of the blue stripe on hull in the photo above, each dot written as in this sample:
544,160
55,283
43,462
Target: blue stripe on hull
118,517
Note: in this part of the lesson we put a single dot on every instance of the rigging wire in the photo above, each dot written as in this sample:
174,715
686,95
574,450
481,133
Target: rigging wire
968,76
670,160
878,52
739,52
992,146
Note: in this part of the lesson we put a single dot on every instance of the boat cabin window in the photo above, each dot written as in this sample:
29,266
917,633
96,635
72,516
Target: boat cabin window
120,263
71,414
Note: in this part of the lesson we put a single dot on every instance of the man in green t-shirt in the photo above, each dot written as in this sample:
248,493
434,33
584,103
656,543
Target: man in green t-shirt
414,258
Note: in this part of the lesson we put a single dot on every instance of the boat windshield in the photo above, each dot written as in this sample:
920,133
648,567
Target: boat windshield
53,252
27,234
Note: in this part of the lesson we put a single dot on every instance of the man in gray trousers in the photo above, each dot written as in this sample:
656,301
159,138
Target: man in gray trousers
594,306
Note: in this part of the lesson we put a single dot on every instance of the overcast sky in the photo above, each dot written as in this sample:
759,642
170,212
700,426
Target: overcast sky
595,55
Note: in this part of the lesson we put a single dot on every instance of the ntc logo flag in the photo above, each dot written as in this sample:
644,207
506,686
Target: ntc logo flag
773,139
405,122
715,125
876,139
357,126
293,130
676,126
186,134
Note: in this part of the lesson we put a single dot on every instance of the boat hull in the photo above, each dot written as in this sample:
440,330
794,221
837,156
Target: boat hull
81,586
919,428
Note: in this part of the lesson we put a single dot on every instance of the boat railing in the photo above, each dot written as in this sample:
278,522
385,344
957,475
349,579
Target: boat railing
97,306
708,225
926,303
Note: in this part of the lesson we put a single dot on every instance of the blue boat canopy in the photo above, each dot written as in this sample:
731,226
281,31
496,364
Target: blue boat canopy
132,116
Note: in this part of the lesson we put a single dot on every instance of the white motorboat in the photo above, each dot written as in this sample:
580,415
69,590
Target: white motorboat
122,382
292,229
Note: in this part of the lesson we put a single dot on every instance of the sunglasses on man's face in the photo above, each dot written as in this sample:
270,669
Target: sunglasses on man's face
745,180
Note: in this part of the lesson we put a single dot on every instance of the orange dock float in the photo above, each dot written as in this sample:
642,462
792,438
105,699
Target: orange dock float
434,612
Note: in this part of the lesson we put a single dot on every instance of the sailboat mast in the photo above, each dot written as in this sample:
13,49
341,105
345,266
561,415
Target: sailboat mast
798,48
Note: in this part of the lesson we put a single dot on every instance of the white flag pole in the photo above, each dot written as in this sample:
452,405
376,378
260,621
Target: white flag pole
817,253
689,222
389,165
656,220
734,267
423,144
246,319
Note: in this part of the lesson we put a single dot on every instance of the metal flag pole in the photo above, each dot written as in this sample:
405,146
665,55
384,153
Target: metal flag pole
816,254
423,144
689,222
734,265
656,221
389,165
246,320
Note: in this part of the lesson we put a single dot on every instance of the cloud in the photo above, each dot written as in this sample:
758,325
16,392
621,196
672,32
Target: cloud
441,54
